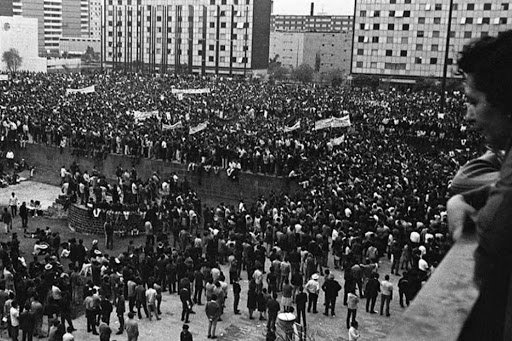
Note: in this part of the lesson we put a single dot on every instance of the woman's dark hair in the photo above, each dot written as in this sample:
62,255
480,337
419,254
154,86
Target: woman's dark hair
489,61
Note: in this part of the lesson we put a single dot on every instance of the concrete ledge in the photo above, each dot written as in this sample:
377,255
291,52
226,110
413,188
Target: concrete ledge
212,188
441,307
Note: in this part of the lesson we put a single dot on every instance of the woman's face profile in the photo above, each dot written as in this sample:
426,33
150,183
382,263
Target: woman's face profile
494,124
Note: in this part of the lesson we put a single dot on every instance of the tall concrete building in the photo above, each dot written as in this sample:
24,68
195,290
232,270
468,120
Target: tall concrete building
21,34
6,8
59,18
312,23
199,36
408,38
324,51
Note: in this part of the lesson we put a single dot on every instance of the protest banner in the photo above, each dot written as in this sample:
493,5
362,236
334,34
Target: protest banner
87,90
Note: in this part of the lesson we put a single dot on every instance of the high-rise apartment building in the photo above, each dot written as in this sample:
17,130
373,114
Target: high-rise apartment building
312,23
200,36
323,51
408,38
60,18
6,8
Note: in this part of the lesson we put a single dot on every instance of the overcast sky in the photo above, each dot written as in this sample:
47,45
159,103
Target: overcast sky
330,7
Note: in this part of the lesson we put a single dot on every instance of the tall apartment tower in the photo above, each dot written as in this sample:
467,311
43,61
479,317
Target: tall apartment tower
408,38
59,18
197,36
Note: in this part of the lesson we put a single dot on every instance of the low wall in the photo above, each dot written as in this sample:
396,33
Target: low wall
212,188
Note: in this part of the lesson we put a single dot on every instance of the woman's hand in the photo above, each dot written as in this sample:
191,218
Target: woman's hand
459,212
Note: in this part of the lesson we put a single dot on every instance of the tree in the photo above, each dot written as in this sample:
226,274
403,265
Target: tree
276,70
13,59
303,73
334,76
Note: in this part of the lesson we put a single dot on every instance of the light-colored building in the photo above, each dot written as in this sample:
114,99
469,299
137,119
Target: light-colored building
21,34
60,18
324,51
312,23
199,36
407,38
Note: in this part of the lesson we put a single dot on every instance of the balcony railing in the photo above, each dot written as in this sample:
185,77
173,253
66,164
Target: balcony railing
442,306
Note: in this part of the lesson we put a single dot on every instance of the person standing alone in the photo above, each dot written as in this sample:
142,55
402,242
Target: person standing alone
386,288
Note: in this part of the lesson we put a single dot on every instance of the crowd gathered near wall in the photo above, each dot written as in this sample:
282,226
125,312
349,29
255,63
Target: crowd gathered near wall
375,189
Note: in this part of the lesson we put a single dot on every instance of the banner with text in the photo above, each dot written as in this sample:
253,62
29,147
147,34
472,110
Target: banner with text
198,128
292,128
333,122
190,91
176,125
143,115
87,90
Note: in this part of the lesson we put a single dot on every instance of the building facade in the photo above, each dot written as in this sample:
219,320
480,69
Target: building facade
408,38
60,18
21,34
312,23
197,36
323,51
6,8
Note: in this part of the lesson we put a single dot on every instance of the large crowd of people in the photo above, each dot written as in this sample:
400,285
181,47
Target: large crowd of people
378,191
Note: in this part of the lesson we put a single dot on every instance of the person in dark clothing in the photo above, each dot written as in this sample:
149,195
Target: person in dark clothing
106,309
185,335
372,292
403,289
331,287
236,295
109,235
273,309
65,310
27,322
198,286
24,216
186,303
120,309
301,299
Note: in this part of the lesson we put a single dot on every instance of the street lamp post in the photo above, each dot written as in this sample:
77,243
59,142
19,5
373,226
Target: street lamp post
446,54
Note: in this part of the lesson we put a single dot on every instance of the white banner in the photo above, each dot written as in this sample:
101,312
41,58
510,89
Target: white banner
341,122
176,125
292,128
4,77
190,91
322,124
143,115
337,141
198,128
333,122
87,90
440,116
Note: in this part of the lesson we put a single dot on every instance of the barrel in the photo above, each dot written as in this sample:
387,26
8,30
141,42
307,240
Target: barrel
285,321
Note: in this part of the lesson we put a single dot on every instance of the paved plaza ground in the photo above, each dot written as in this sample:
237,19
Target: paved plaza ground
233,327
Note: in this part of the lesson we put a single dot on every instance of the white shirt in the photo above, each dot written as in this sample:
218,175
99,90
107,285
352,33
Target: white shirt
353,334
68,337
15,314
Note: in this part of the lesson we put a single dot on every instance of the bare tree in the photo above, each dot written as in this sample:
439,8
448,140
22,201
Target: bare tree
13,59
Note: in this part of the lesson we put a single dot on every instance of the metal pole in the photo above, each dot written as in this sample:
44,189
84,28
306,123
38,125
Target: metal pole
446,54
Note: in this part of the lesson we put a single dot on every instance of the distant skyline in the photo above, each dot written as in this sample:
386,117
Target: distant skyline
302,7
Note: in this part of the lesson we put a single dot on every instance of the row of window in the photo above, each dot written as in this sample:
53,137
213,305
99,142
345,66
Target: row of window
212,2
402,66
504,6
241,60
407,27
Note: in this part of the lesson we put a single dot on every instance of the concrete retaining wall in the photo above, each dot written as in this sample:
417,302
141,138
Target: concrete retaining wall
212,188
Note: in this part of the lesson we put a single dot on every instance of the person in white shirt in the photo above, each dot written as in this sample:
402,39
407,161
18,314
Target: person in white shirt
386,289
313,288
353,333
14,313
151,302
13,204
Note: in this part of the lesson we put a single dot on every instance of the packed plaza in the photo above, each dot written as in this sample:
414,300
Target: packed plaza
370,192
